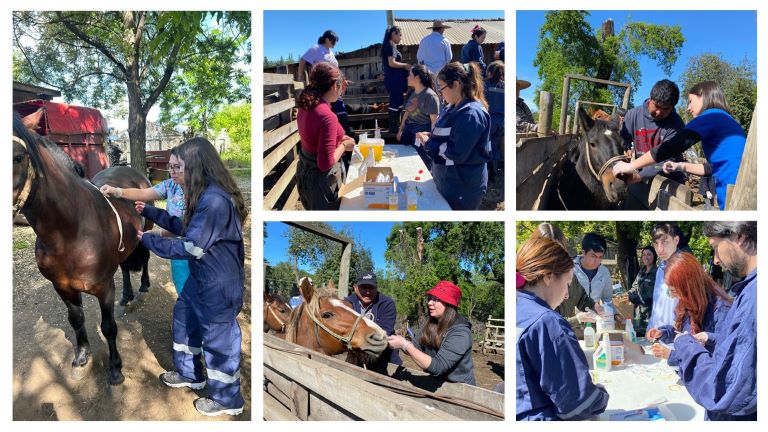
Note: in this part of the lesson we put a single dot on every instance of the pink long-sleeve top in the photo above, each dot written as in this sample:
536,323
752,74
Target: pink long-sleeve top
320,133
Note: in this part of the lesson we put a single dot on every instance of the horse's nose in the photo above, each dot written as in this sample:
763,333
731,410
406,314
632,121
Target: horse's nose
376,338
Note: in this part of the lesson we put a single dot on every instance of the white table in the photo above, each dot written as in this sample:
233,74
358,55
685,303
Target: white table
642,381
406,164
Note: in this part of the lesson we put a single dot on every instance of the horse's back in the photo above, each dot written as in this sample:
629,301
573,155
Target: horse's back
122,176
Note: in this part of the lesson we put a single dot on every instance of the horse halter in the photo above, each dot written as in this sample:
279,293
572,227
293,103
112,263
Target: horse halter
345,340
599,174
31,174
271,311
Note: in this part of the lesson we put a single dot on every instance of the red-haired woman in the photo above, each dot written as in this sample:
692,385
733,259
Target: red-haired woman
319,174
702,304
553,380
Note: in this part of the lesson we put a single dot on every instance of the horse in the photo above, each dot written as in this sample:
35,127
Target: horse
277,313
586,181
327,324
82,236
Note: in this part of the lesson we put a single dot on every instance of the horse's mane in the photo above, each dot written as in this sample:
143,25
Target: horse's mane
33,140
310,307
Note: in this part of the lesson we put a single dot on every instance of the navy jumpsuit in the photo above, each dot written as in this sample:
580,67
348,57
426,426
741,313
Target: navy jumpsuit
494,94
204,316
460,150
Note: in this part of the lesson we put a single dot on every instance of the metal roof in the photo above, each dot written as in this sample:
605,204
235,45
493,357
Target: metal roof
460,32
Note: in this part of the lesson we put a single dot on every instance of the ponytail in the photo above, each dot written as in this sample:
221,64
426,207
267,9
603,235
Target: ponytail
469,76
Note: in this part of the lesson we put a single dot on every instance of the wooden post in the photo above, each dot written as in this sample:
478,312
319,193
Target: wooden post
568,124
575,129
545,113
625,101
419,244
346,256
390,18
564,104
745,192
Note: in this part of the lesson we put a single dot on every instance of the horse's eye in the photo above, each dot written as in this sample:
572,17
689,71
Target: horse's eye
18,159
327,315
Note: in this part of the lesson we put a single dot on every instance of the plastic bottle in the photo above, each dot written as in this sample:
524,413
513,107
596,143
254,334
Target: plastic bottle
602,357
630,329
589,336
411,196
377,132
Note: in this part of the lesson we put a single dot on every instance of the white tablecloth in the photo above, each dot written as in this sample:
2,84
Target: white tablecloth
644,380
405,163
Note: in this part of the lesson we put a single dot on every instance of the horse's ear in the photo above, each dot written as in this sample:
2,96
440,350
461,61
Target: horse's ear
614,122
331,286
306,288
31,121
585,121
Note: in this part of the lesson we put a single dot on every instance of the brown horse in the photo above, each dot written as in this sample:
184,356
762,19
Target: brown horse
81,236
277,313
325,323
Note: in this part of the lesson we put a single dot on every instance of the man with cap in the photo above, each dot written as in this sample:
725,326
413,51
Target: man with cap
524,117
434,49
368,301
443,347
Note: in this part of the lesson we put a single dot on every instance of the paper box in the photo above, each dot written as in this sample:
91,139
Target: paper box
617,345
376,194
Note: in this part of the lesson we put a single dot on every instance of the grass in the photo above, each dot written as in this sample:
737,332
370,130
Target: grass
20,245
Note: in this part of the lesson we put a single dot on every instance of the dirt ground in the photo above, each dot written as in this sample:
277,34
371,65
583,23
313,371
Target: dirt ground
489,368
43,385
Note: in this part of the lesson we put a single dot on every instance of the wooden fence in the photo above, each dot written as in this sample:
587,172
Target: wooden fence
494,335
300,384
281,140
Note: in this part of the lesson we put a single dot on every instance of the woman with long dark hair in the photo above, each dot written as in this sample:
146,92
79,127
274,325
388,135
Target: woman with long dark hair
701,305
722,140
443,348
641,294
395,74
205,315
460,146
553,380
422,107
320,174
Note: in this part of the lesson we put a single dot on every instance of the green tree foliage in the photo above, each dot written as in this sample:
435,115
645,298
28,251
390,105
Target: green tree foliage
569,45
324,256
470,254
280,278
103,58
737,81
236,121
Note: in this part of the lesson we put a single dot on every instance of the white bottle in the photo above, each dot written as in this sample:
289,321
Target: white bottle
377,132
589,336
630,329
602,357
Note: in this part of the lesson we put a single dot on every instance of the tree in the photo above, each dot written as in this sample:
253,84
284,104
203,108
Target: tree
568,44
101,58
737,81
236,121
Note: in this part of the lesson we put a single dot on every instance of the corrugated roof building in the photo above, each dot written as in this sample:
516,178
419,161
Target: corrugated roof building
460,32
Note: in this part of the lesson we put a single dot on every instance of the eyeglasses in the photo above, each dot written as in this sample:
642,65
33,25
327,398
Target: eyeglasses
176,168
440,89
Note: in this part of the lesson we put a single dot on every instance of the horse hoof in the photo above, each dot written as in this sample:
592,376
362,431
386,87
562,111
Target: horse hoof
116,377
125,300
144,288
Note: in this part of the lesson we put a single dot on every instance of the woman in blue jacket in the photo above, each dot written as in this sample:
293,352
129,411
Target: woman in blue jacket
395,75
553,380
473,50
460,146
701,305
722,140
205,315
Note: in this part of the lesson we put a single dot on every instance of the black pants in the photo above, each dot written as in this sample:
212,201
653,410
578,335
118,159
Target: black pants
318,190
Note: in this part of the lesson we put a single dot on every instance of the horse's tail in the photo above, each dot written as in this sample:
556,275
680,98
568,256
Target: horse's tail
136,260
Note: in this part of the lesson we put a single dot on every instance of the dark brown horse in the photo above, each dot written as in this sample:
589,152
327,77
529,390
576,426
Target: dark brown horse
277,313
325,323
81,236
586,181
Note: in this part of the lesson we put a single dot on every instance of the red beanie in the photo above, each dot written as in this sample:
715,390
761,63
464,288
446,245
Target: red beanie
446,291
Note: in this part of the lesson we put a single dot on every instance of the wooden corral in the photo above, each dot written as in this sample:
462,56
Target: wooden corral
539,162
281,138
494,335
300,384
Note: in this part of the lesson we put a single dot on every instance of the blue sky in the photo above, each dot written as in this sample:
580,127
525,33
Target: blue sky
733,34
373,234
295,31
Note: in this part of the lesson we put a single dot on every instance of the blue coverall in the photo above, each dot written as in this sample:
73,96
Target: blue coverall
553,380
724,381
204,316
460,150
494,94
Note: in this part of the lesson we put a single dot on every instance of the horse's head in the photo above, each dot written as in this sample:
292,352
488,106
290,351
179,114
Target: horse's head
601,146
25,157
333,325
277,313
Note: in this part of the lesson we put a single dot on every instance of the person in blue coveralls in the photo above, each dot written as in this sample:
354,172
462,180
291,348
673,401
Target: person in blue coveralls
553,380
722,140
494,94
724,381
702,304
395,75
459,145
369,302
472,51
205,315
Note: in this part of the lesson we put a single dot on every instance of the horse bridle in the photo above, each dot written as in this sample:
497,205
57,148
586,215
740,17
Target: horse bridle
345,340
599,174
282,323
31,174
